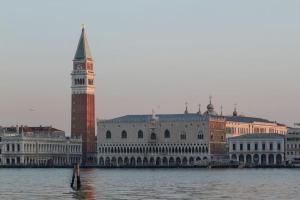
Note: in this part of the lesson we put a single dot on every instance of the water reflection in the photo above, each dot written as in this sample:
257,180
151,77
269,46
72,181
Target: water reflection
146,184
87,189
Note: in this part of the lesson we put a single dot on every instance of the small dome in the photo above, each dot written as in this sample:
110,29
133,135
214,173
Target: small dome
210,107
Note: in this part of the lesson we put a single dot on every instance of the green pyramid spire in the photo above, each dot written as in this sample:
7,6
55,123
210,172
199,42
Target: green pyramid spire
83,49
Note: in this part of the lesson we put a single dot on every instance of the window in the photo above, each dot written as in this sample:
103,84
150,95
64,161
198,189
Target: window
140,134
271,146
278,146
18,147
200,136
153,136
233,147
7,147
80,81
167,133
255,146
124,134
91,82
108,135
263,146
248,147
0,139
183,136
241,147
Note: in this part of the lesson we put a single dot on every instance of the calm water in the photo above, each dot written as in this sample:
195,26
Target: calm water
151,184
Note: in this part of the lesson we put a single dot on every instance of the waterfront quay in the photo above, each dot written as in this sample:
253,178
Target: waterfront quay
43,147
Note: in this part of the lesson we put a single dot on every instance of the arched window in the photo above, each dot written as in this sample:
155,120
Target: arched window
108,135
153,136
124,134
200,136
183,136
140,134
167,133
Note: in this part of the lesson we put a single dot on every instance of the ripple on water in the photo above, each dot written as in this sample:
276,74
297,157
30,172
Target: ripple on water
151,184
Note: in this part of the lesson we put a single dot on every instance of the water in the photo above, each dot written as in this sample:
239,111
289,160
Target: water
151,184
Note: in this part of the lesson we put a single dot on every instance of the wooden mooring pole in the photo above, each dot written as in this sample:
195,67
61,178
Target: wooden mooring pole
76,173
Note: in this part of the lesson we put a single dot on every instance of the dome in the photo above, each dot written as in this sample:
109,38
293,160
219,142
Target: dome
210,107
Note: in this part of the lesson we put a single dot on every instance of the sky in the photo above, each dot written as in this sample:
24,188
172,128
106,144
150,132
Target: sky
151,54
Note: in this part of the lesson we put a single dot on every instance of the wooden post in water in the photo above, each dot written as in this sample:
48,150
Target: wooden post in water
78,177
76,173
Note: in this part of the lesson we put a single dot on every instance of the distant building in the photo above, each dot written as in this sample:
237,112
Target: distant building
176,139
257,149
37,146
238,124
292,143
160,140
83,99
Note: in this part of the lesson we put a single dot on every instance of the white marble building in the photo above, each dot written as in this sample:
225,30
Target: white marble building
37,146
162,140
292,146
257,149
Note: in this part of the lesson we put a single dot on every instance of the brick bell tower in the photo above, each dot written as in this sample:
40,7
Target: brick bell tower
83,98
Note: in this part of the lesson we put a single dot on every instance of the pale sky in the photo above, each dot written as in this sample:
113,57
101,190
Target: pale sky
151,54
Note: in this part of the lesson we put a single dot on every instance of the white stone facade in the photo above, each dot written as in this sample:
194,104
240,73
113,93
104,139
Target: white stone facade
292,146
145,140
257,149
38,146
